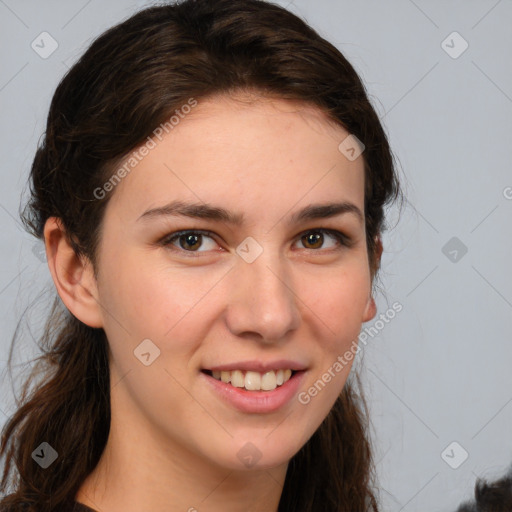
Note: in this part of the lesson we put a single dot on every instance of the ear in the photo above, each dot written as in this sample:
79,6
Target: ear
73,276
371,308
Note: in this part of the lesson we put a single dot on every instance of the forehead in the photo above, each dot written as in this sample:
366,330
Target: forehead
237,148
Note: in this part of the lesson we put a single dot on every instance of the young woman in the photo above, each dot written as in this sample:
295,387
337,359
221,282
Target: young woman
211,191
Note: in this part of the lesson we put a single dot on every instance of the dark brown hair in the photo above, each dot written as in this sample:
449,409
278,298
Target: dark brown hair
129,81
495,496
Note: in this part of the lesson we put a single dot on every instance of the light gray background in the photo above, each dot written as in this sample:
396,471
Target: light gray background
440,371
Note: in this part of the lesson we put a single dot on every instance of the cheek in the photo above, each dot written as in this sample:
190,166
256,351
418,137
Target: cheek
340,304
338,309
151,299
340,299
137,298
174,308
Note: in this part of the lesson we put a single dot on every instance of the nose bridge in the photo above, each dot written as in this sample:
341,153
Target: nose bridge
263,300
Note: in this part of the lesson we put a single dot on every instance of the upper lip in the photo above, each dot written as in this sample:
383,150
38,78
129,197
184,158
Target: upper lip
259,366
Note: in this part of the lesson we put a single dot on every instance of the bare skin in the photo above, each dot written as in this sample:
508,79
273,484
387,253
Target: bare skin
174,442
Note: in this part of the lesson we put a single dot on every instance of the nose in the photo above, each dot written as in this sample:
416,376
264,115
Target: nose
262,302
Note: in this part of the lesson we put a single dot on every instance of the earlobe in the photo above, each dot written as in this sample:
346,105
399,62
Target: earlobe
73,276
370,310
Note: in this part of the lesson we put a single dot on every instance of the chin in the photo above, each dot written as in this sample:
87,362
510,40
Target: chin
254,455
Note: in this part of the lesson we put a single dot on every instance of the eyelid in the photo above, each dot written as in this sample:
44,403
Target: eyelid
167,240
343,239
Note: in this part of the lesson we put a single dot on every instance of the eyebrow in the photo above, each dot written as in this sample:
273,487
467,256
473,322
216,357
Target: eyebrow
216,213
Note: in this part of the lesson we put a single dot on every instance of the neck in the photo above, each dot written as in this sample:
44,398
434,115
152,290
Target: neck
139,472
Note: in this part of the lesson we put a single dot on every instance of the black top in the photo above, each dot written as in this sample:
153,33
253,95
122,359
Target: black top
74,507
80,507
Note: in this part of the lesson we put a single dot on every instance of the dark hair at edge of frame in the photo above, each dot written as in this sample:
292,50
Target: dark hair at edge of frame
495,496
129,81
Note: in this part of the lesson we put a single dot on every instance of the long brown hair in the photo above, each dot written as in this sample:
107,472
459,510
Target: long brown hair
129,81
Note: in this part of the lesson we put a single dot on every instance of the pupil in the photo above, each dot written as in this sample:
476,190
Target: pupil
191,240
313,238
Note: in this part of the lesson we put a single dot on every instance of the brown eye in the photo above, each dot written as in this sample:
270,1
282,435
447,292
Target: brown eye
315,239
190,241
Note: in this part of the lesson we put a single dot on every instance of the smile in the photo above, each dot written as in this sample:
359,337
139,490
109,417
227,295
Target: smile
251,380
256,400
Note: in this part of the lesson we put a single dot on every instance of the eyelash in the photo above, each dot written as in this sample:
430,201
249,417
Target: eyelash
343,240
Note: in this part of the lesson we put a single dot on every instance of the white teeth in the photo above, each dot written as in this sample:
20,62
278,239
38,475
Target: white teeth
269,381
254,381
237,379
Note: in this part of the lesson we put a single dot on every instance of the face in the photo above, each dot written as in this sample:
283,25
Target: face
257,289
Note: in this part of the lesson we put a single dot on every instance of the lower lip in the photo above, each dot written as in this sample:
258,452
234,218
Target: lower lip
257,401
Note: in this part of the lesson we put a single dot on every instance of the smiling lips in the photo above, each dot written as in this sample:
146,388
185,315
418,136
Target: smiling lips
257,400
254,381
256,375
